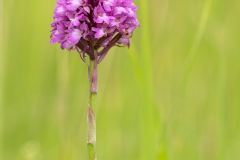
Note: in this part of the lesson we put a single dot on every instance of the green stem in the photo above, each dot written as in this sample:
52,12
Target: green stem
91,142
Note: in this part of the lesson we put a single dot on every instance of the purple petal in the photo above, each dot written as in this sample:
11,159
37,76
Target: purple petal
98,10
54,39
118,21
84,28
108,4
87,9
131,13
67,45
74,36
124,41
73,4
60,10
74,20
104,18
119,10
99,32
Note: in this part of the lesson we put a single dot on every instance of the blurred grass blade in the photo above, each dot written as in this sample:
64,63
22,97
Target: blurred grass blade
134,57
148,124
221,93
2,70
62,99
199,35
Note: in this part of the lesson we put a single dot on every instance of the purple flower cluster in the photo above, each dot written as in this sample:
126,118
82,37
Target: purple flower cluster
93,25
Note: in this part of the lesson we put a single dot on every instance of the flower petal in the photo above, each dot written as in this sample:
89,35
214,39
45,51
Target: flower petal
74,36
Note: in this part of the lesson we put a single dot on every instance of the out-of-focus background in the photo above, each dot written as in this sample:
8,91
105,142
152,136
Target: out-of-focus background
174,95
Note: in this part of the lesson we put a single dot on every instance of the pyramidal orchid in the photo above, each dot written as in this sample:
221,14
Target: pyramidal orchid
92,28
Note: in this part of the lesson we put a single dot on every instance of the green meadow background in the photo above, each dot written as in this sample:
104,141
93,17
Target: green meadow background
174,95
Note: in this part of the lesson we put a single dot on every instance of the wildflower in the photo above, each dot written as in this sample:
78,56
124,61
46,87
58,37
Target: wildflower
92,27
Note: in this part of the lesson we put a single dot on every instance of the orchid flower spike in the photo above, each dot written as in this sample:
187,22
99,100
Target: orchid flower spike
92,27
